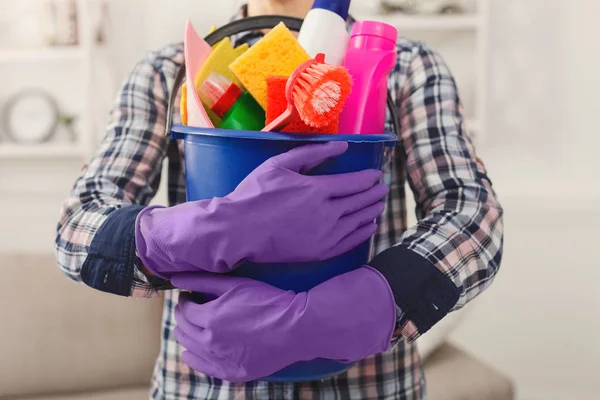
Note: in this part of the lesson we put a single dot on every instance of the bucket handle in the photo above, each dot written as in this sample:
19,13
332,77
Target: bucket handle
245,25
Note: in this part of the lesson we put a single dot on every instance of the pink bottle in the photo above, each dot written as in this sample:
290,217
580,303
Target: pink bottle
370,59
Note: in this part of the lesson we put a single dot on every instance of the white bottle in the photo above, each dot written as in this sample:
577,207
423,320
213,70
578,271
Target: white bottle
324,30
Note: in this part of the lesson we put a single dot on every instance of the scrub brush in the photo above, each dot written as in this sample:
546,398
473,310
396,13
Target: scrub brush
316,92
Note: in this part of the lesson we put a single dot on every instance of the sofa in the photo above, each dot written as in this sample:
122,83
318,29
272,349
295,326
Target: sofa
60,340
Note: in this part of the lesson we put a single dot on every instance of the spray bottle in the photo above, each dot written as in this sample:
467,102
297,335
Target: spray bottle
237,108
370,59
324,30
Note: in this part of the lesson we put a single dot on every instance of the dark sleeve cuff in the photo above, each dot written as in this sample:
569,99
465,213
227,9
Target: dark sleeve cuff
422,291
111,261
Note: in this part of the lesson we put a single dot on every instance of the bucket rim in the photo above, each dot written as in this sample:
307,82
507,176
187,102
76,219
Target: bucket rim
181,131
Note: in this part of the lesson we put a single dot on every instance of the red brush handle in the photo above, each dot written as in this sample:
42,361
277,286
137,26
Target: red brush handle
283,120
292,113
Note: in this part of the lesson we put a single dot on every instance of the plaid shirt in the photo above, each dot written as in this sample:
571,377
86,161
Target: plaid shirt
459,232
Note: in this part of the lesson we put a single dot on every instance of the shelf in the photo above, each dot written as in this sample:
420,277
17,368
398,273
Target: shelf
71,53
407,22
17,151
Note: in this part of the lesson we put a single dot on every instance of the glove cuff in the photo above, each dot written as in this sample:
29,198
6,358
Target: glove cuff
146,251
355,314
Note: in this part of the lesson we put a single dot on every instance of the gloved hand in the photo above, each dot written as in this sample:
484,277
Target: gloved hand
252,330
276,214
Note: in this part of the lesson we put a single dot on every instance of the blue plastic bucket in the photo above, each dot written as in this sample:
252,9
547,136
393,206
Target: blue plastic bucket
217,160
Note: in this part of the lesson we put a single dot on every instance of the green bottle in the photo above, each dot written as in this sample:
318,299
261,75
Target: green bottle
237,108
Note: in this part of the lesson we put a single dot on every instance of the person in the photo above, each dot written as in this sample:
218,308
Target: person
109,239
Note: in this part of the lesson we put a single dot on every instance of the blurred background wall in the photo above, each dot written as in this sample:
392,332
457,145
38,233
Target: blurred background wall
538,322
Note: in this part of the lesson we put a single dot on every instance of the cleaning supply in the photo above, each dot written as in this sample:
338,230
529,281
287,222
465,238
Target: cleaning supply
228,101
316,92
277,53
324,30
320,92
277,104
222,56
219,60
196,52
370,59
183,108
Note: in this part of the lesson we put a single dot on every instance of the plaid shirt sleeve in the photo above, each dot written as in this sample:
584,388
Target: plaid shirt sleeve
94,242
454,251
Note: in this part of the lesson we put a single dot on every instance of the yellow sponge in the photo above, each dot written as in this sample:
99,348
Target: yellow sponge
219,60
222,55
183,109
277,53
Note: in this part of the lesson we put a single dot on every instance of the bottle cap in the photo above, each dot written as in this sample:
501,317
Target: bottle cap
375,28
218,93
340,7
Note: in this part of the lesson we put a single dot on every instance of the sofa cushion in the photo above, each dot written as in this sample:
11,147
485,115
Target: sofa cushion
439,334
455,375
60,336
125,394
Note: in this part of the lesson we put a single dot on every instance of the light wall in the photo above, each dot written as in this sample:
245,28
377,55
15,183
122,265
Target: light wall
537,323
160,22
31,191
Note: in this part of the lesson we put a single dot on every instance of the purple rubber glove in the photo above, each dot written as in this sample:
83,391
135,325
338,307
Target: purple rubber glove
276,214
252,330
